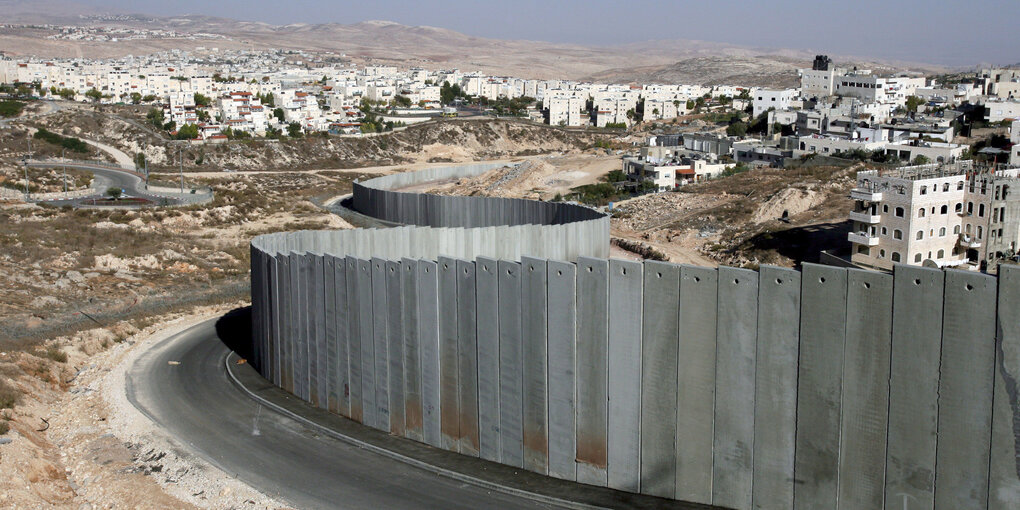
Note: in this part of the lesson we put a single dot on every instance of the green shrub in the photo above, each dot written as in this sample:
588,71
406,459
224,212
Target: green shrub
11,108
68,142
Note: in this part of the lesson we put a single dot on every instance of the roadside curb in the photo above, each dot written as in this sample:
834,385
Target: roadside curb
231,361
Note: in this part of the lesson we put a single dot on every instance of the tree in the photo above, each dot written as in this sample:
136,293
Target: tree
921,159
140,160
149,98
736,129
94,95
187,132
155,117
294,130
401,101
136,98
114,192
278,113
203,115
913,102
691,104
202,100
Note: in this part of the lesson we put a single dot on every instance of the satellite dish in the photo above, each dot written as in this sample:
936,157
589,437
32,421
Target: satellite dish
929,263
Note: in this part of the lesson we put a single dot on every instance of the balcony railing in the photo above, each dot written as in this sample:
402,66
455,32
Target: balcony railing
862,238
865,217
968,241
869,195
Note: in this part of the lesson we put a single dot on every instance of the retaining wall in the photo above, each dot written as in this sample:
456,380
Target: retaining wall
826,388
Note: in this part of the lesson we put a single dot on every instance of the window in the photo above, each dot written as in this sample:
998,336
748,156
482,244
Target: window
967,229
941,254
942,232
920,213
959,207
899,212
885,231
945,187
897,234
917,257
920,235
981,210
863,250
981,231
944,210
970,207
924,190
885,208
998,190
881,254
959,186
895,256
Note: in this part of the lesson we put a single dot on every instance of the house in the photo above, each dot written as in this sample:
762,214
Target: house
949,214
764,99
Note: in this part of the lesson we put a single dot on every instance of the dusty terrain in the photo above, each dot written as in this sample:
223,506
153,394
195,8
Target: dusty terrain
75,441
733,220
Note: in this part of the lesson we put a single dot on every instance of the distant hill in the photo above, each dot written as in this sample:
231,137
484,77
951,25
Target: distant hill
386,42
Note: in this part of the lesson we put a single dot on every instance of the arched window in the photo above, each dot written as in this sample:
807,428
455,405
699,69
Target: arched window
941,254
895,256
881,254
956,230
942,232
945,187
944,210
885,208
981,231
885,231
917,257
981,210
897,234
924,190
959,207
899,212
959,185
970,207
920,213
967,230
920,235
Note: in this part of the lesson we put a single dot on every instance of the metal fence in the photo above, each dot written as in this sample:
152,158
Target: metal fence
824,388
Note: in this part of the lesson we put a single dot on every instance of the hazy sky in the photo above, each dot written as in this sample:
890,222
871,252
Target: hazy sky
935,31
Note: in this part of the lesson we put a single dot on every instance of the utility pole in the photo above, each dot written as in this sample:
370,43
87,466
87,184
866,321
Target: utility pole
26,180
64,163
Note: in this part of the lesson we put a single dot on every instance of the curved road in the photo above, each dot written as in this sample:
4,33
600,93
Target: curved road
106,177
196,402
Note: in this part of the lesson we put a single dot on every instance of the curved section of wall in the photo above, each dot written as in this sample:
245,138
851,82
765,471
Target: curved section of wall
826,388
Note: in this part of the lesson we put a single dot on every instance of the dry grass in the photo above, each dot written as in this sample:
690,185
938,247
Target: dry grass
9,395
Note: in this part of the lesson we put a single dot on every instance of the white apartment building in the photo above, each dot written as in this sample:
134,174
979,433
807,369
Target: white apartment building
768,98
668,109
947,214
999,110
300,106
242,112
182,109
818,82
565,111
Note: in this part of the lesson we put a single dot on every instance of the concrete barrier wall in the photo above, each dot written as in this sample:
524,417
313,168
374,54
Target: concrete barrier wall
821,388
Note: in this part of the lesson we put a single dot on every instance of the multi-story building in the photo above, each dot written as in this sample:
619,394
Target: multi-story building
950,215
764,99
565,110
242,112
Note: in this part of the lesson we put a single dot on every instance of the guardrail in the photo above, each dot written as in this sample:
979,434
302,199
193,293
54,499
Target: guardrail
828,387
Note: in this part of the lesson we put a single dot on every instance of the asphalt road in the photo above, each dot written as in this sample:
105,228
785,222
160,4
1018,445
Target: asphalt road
196,402
132,184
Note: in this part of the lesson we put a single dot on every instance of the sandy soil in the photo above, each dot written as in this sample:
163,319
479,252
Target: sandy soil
77,443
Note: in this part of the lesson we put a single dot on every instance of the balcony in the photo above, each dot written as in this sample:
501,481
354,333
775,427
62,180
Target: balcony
865,194
967,241
862,238
865,217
